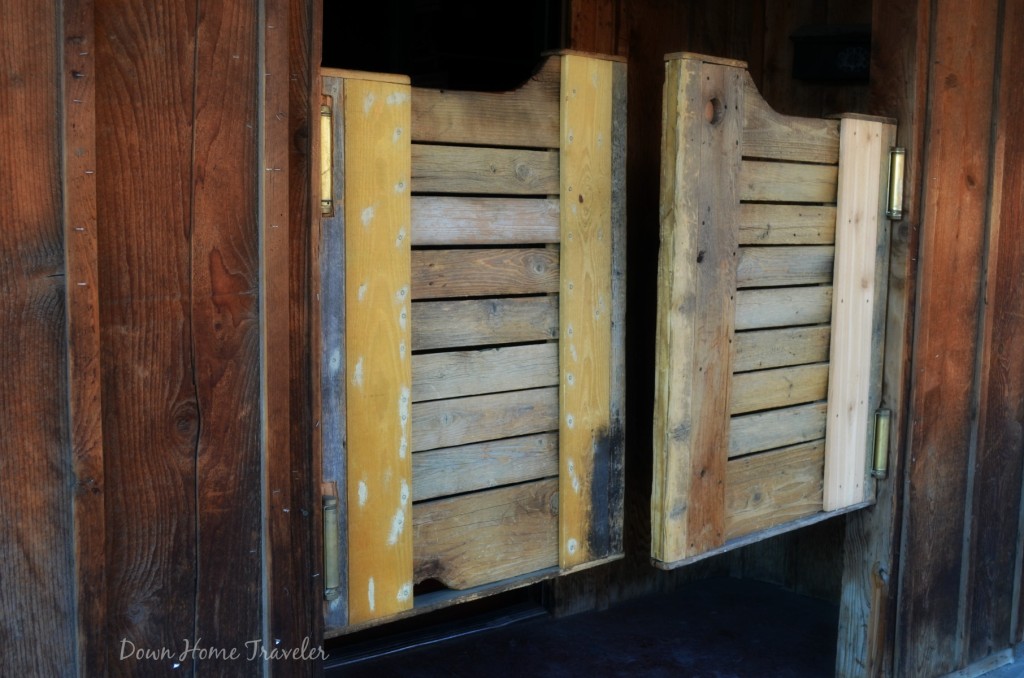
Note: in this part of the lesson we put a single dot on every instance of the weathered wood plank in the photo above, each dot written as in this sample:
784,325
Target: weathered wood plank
781,266
467,468
787,182
768,224
484,272
585,294
756,309
329,405
462,373
749,433
765,349
225,313
85,377
526,117
448,423
484,221
764,490
479,322
770,135
697,279
487,536
37,486
852,396
767,389
498,171
378,365
151,418
997,544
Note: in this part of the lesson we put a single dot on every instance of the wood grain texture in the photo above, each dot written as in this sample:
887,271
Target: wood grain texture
764,349
479,322
784,266
487,536
954,206
787,182
448,423
454,374
757,309
526,117
697,281
37,483
483,221
496,171
749,433
769,135
767,224
151,415
467,468
769,389
225,315
484,272
997,547
378,339
769,489
854,390
83,333
585,295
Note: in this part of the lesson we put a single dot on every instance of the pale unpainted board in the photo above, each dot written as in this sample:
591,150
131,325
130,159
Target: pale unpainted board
481,322
765,349
481,170
454,374
749,433
484,272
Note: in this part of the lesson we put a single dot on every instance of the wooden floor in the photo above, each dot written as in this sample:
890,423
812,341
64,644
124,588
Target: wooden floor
725,628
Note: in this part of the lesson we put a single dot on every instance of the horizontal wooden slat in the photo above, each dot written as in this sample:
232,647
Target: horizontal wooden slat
779,266
461,373
768,389
447,423
749,433
479,273
480,322
477,538
766,224
776,487
757,309
499,171
526,117
483,221
467,468
764,349
786,182
767,134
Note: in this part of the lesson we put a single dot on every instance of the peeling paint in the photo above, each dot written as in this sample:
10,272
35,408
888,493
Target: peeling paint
405,592
370,596
400,187
362,292
401,350
396,98
401,294
403,406
401,237
396,135
364,493
403,448
403,316
570,421
397,525
368,102
571,546
404,494
357,373
367,215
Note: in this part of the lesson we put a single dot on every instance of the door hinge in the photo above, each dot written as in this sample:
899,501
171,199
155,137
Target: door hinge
880,463
326,161
332,562
894,204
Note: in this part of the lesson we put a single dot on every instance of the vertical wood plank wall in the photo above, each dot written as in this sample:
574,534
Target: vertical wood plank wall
153,400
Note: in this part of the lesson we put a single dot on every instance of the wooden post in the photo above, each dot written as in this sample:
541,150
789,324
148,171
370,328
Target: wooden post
378,372
697,267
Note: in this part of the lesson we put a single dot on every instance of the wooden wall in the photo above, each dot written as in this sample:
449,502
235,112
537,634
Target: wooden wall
955,84
154,404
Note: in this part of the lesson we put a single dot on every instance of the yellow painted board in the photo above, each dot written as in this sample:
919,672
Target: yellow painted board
862,171
378,357
585,163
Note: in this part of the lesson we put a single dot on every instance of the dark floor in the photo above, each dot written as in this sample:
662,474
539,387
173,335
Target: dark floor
722,628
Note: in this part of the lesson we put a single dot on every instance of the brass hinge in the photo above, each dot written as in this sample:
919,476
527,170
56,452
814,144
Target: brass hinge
880,464
894,205
326,161
332,563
